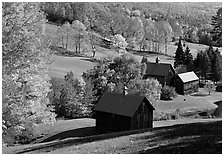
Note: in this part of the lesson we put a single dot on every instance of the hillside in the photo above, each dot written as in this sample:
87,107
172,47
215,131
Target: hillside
137,21
192,138
63,64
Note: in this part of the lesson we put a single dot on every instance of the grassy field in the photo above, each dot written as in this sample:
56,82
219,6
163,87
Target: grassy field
80,136
183,139
78,65
201,136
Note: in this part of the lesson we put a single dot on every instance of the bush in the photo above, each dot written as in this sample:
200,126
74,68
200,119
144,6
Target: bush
144,59
167,93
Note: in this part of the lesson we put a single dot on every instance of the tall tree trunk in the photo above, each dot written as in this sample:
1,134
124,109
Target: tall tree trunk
67,41
62,42
76,48
166,47
149,45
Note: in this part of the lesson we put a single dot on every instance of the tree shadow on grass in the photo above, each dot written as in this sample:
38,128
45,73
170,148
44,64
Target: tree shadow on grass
80,132
90,60
200,94
187,139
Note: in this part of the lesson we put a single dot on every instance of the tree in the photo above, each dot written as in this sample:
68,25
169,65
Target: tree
167,93
25,81
206,66
79,33
188,59
72,97
202,63
217,30
210,87
150,88
179,55
217,66
119,43
114,74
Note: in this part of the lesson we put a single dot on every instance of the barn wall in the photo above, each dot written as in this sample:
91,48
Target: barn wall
191,87
112,122
143,117
179,86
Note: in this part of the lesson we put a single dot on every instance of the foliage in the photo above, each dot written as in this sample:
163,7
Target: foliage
167,93
150,88
217,66
144,59
209,86
119,43
202,63
71,97
216,63
64,32
217,28
78,34
128,19
181,69
114,75
25,83
188,59
179,55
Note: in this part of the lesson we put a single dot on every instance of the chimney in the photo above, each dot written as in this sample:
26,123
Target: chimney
125,92
157,59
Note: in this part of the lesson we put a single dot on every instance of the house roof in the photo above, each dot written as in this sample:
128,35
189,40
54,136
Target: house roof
120,104
188,76
159,69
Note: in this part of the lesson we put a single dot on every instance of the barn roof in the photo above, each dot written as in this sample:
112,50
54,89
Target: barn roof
188,76
120,104
158,69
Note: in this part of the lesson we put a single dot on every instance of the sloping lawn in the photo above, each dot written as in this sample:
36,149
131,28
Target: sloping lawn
62,65
194,138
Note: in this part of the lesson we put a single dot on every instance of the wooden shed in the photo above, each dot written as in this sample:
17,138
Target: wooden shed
163,72
187,83
120,112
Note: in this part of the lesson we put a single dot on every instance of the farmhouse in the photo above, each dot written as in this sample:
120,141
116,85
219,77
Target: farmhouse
120,112
163,72
187,83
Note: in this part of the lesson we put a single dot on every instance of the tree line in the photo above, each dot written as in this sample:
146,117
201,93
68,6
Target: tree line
207,64
145,28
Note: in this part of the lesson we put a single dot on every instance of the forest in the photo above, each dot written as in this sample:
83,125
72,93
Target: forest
141,23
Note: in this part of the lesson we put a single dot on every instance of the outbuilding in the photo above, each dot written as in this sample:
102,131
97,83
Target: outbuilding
163,72
187,83
120,112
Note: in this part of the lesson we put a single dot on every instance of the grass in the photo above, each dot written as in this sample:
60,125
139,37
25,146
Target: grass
78,65
193,138
62,65
76,141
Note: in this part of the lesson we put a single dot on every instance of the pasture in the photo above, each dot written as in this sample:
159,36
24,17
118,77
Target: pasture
184,136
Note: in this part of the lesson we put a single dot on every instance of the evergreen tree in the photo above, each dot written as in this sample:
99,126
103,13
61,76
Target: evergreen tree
217,30
188,59
217,66
205,64
179,55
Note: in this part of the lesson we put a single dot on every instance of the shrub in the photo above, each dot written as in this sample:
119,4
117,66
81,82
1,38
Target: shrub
144,59
167,93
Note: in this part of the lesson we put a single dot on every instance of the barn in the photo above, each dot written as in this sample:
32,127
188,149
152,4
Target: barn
187,83
163,72
120,112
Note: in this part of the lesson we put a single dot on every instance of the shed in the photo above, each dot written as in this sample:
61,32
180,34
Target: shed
120,112
163,72
187,83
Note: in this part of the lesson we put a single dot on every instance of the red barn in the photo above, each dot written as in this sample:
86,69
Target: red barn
120,112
